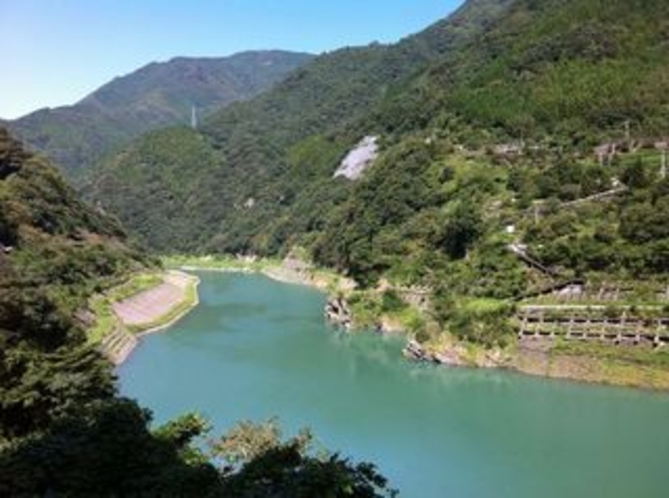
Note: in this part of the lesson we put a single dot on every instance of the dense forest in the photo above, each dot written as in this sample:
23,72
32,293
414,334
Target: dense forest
513,128
157,95
64,430
486,120
278,151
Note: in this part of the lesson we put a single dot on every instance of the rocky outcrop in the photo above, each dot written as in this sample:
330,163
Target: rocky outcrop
415,351
452,356
338,312
359,159
455,355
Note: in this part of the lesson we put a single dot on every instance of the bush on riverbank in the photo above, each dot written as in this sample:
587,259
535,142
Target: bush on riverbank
481,321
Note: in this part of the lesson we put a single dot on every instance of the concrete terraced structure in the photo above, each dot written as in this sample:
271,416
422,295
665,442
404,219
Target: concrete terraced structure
149,311
144,309
118,345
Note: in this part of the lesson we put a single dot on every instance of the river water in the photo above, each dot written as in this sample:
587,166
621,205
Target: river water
255,348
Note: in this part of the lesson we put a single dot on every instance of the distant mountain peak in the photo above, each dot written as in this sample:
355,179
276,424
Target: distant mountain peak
156,95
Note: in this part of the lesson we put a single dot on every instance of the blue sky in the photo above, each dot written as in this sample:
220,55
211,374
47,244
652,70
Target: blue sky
54,52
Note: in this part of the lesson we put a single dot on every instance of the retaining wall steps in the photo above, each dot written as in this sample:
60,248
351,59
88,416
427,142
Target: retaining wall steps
117,345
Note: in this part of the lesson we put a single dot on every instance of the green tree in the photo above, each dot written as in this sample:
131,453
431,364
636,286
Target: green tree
635,175
462,229
261,464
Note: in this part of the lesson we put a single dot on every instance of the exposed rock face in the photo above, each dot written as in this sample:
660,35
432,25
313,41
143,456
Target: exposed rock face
359,159
338,312
456,355
413,350
453,356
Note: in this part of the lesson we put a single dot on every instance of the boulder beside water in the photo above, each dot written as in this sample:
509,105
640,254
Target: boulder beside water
338,312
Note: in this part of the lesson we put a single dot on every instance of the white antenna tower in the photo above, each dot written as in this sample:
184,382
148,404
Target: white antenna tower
193,117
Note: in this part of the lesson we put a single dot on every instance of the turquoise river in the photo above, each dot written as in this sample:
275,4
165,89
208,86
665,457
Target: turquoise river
255,348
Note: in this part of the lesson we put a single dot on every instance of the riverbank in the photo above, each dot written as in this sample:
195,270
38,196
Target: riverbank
586,363
273,353
290,270
593,364
361,309
145,304
600,364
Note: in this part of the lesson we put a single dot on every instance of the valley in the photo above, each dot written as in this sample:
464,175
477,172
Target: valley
485,213
265,345
180,91
372,241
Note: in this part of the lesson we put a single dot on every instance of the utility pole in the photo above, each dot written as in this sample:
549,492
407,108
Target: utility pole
663,166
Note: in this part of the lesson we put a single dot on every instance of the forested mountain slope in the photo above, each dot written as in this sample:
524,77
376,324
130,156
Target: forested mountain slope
157,95
525,157
61,425
569,69
510,120
273,153
64,431
547,79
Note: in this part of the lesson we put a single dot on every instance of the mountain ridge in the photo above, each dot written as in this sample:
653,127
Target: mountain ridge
487,146
510,79
253,145
155,95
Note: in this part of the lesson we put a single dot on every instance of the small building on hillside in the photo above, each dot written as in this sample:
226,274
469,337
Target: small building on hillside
605,153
